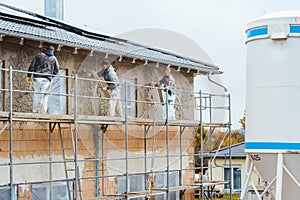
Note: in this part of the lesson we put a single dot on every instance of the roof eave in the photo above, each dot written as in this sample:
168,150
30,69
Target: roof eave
203,70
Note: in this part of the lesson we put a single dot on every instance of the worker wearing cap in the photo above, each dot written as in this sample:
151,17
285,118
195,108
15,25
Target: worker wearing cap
43,68
168,93
109,74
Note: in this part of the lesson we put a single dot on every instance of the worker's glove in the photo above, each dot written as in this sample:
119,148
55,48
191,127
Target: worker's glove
29,80
170,92
88,75
104,88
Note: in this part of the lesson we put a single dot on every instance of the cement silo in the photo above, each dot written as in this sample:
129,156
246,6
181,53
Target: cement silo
273,104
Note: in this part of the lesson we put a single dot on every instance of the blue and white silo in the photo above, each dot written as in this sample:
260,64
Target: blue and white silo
273,103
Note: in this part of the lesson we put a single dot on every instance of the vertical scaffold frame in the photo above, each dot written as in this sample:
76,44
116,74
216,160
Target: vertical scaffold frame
102,126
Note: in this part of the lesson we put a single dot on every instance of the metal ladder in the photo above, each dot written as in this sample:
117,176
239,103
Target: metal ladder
67,141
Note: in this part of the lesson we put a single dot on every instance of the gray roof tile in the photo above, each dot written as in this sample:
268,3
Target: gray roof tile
237,151
31,26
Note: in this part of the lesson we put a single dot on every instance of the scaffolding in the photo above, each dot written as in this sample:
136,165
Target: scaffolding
69,124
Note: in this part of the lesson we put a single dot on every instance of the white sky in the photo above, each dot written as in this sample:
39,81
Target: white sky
216,25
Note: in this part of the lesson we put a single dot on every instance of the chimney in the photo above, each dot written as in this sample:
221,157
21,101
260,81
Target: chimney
54,8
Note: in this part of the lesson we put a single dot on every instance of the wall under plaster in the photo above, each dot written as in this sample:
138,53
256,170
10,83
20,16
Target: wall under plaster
31,140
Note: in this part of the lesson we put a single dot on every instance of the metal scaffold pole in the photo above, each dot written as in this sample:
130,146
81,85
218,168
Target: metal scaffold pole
181,128
51,128
167,146
96,138
76,138
102,161
210,136
126,141
146,129
201,144
230,141
11,135
164,179
211,131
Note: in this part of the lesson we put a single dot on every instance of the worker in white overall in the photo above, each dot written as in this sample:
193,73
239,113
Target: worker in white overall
43,68
168,93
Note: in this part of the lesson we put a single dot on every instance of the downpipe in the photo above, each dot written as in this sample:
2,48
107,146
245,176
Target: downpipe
216,83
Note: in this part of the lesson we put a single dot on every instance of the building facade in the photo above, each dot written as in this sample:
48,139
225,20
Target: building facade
76,150
221,169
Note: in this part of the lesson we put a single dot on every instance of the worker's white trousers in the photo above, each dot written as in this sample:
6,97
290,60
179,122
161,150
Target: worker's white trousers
115,102
41,87
170,103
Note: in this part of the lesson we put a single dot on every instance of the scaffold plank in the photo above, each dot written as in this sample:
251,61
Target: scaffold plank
112,197
210,183
158,191
91,119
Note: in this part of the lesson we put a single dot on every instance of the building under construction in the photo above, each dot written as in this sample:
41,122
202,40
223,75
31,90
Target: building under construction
76,150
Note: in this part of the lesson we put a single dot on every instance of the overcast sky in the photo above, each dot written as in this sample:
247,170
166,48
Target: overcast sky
216,25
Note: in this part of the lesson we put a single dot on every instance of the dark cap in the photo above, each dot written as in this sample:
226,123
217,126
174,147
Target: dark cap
167,69
105,62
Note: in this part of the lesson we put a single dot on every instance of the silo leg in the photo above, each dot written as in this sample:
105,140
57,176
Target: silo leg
279,176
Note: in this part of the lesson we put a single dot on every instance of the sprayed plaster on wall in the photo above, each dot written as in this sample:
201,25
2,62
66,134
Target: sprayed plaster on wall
150,74
20,57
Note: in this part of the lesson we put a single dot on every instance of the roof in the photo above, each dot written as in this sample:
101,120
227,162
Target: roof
28,25
237,151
